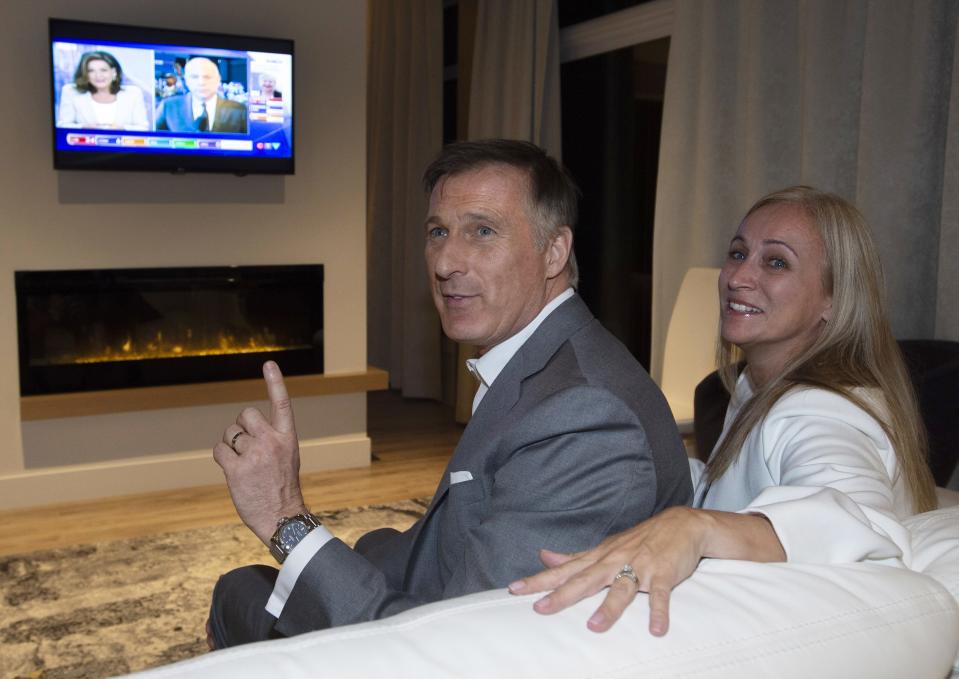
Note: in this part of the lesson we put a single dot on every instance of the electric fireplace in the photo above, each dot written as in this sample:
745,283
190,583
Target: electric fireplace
122,328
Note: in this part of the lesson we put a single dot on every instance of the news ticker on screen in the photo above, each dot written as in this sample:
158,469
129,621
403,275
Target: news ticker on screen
191,143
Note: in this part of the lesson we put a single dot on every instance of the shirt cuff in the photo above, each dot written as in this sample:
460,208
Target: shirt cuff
294,564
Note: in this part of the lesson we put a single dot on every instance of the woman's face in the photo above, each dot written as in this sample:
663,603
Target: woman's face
772,299
100,74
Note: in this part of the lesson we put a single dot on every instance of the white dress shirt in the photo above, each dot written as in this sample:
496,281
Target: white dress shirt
486,369
209,104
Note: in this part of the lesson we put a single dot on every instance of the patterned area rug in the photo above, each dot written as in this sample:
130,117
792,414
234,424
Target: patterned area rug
116,607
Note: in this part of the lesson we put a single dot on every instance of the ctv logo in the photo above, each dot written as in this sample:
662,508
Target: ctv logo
267,146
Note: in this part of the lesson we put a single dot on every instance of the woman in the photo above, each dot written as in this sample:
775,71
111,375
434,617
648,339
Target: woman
97,99
268,88
822,452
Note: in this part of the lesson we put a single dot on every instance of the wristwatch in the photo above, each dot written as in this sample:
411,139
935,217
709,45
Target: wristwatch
289,532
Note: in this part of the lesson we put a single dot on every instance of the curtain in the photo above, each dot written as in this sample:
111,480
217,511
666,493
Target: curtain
514,85
855,97
405,130
513,93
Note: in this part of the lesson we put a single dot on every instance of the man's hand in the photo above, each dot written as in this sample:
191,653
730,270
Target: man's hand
261,460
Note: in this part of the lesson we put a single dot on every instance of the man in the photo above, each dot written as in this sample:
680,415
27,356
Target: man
202,110
171,86
569,441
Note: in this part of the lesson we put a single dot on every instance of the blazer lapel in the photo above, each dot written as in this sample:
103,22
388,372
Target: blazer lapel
84,106
481,432
532,357
186,110
217,122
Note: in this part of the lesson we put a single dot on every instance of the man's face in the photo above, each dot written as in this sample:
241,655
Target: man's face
202,78
488,277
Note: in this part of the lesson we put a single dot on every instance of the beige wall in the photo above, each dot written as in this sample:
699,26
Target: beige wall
64,220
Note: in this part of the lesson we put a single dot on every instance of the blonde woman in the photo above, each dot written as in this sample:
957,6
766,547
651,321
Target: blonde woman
822,452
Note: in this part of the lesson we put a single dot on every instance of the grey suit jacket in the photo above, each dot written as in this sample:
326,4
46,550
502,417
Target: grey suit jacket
572,442
176,115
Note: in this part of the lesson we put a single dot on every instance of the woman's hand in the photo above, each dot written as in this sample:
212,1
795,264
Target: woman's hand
662,551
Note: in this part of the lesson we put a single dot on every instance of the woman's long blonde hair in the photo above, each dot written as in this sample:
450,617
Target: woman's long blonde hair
855,348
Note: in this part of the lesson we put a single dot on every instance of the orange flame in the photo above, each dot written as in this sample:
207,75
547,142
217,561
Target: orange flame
157,347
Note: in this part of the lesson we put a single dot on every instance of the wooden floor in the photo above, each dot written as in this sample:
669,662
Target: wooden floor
412,441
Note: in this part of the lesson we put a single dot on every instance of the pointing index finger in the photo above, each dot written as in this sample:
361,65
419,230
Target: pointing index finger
281,408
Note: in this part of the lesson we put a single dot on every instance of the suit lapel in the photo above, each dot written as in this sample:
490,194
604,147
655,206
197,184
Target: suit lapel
186,110
532,357
84,106
482,430
218,118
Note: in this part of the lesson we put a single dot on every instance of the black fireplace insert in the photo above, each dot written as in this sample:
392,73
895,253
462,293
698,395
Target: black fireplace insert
122,328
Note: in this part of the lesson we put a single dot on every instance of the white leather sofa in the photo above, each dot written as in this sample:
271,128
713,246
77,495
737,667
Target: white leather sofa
730,619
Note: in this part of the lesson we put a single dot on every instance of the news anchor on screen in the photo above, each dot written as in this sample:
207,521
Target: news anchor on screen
202,110
97,97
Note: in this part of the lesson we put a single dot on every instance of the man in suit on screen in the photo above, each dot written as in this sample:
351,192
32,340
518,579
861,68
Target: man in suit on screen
569,441
203,109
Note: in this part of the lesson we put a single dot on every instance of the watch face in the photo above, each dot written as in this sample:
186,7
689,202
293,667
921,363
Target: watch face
292,533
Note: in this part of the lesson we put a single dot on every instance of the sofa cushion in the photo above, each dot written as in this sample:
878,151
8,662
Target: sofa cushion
935,549
934,368
731,618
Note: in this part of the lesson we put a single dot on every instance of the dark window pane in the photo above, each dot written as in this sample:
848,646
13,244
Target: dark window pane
450,34
612,114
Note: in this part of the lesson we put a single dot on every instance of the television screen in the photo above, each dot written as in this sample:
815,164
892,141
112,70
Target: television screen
132,98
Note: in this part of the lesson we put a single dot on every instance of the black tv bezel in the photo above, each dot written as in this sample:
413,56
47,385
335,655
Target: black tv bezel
67,29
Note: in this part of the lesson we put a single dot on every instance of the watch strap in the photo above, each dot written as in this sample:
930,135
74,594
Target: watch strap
277,548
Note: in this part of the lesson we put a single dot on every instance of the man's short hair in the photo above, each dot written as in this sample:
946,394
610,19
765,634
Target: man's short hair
553,195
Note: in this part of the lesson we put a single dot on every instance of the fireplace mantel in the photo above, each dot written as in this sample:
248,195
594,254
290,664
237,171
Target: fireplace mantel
87,403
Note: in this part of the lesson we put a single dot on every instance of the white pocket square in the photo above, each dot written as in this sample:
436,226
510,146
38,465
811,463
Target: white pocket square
459,477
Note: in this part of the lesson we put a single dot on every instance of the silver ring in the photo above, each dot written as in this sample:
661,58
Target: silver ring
235,437
627,572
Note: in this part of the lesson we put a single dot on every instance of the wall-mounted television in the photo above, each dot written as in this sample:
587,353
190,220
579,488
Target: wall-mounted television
138,98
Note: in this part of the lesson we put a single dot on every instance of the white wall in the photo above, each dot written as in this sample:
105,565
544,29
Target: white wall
64,220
